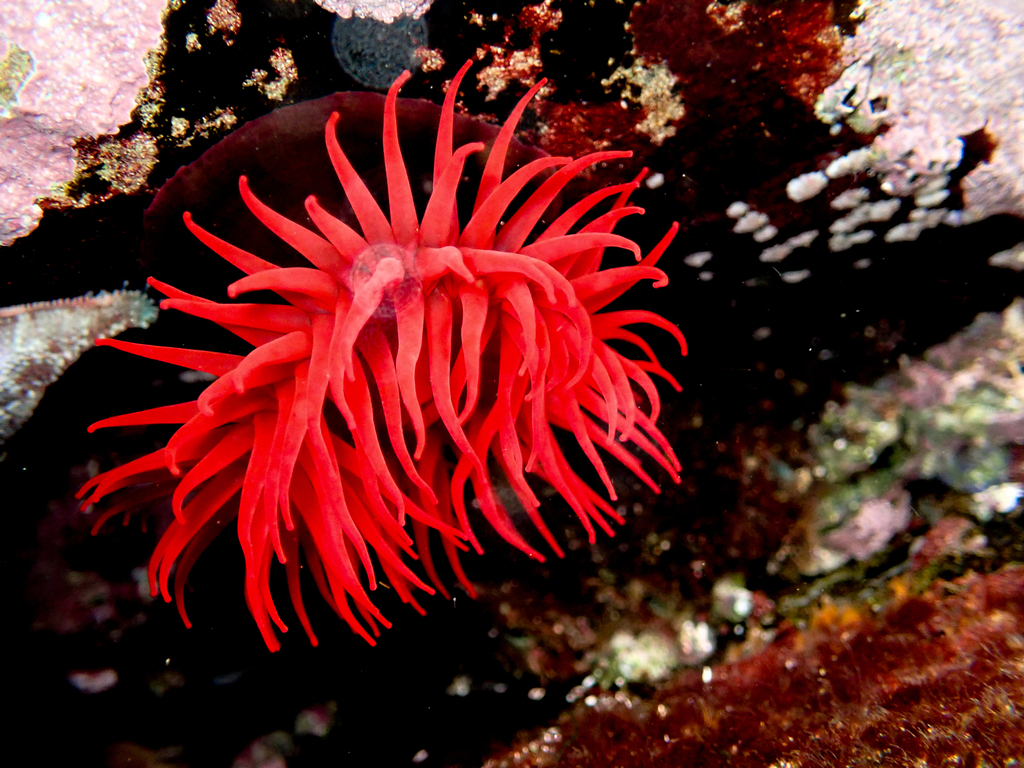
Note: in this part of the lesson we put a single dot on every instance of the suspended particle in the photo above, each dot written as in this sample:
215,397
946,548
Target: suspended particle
373,53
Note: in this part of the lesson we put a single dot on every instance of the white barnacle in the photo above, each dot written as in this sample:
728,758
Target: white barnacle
737,210
805,186
750,222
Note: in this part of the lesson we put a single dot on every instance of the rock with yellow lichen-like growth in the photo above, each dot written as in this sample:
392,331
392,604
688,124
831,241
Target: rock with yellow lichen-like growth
68,69
39,341
656,84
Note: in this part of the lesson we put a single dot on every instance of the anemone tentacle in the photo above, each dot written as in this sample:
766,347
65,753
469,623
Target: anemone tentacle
408,337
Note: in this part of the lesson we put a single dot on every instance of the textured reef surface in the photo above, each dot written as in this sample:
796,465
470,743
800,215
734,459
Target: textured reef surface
836,580
933,678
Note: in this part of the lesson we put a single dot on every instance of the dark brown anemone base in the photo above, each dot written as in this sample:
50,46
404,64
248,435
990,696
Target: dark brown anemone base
406,338
935,680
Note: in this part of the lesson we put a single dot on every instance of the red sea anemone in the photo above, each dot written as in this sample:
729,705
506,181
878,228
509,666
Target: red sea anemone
407,342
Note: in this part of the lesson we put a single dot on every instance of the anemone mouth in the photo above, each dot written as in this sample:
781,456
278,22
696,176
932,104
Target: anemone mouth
448,347
368,260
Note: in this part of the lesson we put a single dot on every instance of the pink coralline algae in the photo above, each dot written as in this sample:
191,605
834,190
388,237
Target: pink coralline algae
381,10
415,357
74,68
938,75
